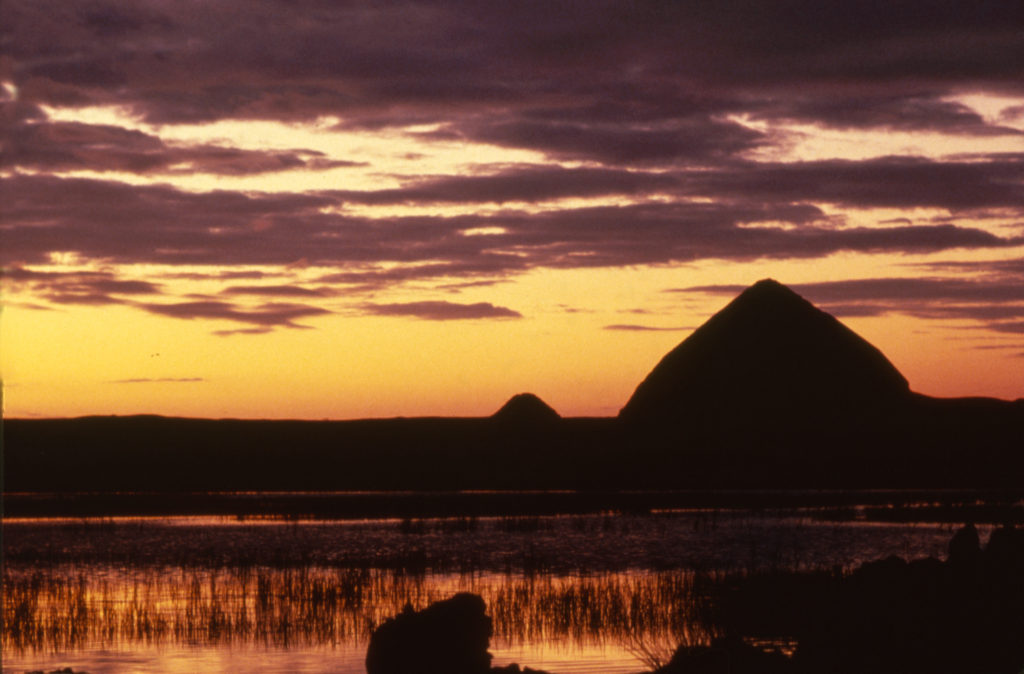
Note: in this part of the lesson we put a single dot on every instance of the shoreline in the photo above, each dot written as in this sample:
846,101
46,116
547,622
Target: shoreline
993,506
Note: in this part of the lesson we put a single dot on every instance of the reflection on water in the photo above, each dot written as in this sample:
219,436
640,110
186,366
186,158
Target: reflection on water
712,540
190,659
337,659
582,593
71,608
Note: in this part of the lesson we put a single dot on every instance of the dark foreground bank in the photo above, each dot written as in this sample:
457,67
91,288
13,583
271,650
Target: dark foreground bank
958,616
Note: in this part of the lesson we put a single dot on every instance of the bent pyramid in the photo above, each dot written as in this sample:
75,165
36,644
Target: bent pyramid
526,408
768,354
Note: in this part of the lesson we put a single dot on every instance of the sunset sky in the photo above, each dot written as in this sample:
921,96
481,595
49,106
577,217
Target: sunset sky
320,209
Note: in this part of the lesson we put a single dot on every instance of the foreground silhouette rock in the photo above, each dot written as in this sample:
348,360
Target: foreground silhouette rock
961,616
448,637
725,656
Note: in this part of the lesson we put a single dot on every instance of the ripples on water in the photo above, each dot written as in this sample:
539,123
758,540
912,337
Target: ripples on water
569,594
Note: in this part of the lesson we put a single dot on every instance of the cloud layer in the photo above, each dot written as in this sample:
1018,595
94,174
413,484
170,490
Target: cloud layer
658,134
160,224
441,311
630,75
993,301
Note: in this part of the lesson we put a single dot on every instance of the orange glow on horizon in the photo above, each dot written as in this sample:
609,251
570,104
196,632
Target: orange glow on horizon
118,360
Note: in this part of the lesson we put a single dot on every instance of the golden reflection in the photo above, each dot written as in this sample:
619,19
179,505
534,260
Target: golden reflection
72,607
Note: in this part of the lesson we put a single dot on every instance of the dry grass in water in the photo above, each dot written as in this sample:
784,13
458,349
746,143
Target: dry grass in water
64,608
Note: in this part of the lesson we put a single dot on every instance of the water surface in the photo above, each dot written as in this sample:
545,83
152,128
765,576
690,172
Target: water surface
580,593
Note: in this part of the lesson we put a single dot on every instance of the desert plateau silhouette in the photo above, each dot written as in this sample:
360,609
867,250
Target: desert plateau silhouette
769,393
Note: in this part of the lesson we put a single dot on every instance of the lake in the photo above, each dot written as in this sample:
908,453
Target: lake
599,592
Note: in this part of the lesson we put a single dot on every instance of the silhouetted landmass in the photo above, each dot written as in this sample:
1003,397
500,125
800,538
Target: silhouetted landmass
770,393
196,455
526,408
771,390
769,356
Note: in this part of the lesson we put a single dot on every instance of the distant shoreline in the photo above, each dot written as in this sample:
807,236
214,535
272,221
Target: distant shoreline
992,506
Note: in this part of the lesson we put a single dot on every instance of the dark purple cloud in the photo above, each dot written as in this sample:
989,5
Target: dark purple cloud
268,315
687,140
74,146
662,233
519,183
397,62
159,224
1010,269
926,289
478,262
895,111
629,327
274,291
995,182
645,98
977,182
441,311
1014,327
77,287
241,331
462,285
124,223
124,287
893,289
996,302
83,298
219,276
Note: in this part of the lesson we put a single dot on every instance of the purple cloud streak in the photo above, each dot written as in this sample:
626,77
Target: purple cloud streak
440,311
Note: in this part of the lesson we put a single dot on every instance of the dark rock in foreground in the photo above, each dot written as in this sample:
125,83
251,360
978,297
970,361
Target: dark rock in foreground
725,657
961,616
890,616
447,637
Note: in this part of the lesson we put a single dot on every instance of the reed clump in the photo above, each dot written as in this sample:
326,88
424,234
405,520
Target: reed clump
67,608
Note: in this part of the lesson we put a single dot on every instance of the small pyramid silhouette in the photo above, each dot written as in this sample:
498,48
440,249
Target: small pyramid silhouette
768,354
526,408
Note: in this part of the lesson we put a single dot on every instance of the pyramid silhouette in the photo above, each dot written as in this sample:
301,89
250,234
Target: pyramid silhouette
526,408
769,354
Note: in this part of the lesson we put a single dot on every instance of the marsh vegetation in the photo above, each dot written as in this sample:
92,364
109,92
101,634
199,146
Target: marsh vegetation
67,608
623,586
